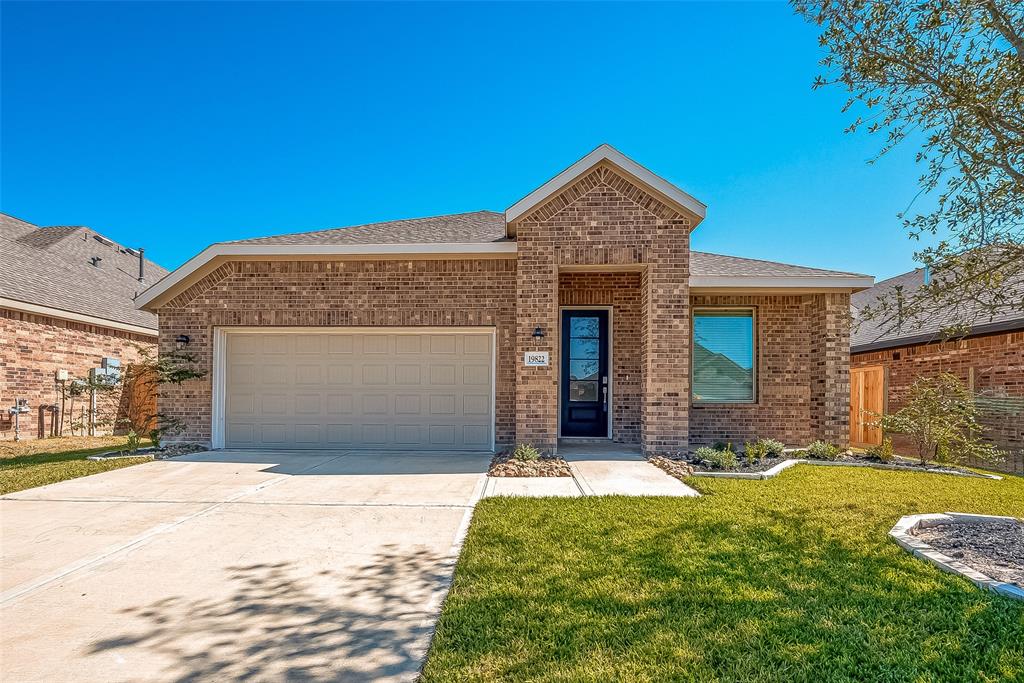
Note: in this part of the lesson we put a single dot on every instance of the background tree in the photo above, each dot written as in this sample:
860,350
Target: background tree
950,73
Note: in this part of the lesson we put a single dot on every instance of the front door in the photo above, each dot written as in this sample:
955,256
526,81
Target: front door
584,383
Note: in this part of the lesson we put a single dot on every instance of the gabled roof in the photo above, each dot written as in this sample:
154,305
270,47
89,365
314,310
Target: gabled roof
49,271
459,228
871,335
607,154
479,234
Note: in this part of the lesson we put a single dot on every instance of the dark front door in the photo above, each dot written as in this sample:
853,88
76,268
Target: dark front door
584,383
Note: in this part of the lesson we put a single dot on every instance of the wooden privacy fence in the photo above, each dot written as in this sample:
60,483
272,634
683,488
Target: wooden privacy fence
137,408
867,401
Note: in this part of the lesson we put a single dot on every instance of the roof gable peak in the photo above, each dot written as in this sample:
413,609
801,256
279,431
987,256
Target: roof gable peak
605,154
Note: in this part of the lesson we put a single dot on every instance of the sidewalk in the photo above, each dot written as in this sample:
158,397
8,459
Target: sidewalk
599,469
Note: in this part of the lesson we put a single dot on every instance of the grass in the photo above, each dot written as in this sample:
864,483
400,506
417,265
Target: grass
37,462
789,579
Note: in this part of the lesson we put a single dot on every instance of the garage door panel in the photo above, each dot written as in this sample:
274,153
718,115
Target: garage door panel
476,436
340,404
309,374
339,374
276,344
275,375
338,390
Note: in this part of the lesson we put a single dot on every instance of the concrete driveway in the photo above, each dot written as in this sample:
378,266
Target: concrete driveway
234,565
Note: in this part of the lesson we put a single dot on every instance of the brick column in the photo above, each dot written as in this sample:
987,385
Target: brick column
829,323
537,306
666,342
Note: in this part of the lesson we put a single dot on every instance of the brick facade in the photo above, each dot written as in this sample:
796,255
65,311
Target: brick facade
992,364
802,373
33,347
604,222
425,293
601,241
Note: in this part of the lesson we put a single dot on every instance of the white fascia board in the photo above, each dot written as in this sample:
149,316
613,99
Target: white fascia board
610,154
285,250
783,281
36,309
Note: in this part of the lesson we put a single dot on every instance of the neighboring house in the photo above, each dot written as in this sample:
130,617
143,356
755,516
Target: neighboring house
989,359
570,315
66,303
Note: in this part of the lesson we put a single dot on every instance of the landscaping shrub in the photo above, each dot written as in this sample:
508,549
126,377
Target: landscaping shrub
527,452
883,451
716,459
755,451
941,418
763,448
823,450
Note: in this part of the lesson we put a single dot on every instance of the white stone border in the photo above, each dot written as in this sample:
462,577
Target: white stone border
786,464
903,534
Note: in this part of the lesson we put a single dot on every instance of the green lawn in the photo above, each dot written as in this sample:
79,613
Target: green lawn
790,579
27,464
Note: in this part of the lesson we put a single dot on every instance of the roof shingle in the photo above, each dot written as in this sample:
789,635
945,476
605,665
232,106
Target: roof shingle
52,267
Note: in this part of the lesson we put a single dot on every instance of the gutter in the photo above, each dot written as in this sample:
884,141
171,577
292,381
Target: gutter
36,309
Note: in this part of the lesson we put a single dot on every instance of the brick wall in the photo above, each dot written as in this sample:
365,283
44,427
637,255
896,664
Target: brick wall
801,372
621,291
343,293
33,347
603,220
993,364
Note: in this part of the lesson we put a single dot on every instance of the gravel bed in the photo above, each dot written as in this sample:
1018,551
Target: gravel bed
995,548
168,451
767,463
676,467
504,465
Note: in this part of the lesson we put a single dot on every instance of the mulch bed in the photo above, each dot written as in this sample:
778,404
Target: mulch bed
504,465
673,466
995,548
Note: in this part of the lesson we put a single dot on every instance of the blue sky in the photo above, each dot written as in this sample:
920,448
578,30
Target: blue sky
171,126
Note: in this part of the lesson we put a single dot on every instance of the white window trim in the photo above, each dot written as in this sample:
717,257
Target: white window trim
756,344
220,333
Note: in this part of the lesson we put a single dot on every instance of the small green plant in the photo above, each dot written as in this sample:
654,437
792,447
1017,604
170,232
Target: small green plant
527,452
755,451
883,451
133,440
718,459
772,447
823,450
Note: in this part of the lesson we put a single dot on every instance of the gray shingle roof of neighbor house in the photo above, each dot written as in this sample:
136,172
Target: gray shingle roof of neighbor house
869,335
52,268
483,227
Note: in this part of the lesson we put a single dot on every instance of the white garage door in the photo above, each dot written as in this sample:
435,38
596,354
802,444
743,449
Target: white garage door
395,390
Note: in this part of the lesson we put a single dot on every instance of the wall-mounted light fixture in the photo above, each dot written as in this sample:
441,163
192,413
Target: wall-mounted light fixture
182,341
538,332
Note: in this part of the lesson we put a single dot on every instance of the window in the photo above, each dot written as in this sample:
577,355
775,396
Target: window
723,355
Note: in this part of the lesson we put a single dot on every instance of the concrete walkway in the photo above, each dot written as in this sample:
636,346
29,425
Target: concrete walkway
234,565
598,469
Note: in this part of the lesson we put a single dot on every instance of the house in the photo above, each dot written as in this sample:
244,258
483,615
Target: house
66,304
989,358
572,314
